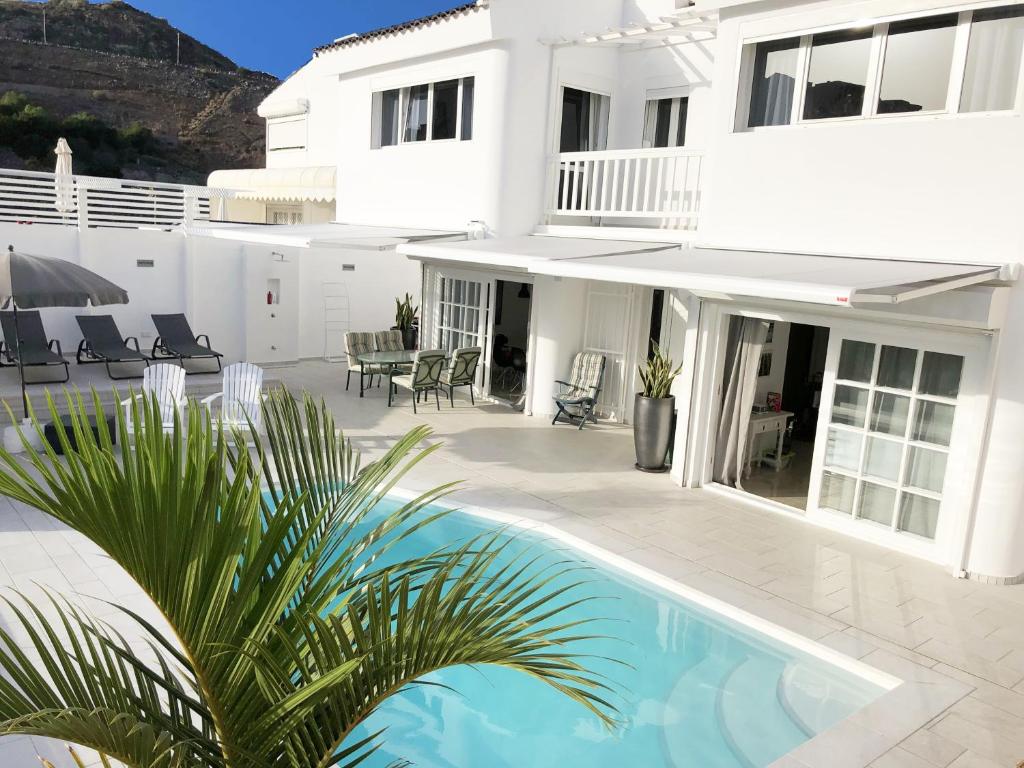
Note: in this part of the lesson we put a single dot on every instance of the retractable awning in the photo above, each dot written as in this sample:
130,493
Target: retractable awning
817,279
350,236
314,183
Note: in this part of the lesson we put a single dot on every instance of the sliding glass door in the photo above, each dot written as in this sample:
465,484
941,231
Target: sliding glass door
462,306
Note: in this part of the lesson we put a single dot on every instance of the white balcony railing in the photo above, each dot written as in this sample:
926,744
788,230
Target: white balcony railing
86,202
627,184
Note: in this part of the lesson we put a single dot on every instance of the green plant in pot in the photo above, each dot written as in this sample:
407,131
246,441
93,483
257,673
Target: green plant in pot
407,321
652,412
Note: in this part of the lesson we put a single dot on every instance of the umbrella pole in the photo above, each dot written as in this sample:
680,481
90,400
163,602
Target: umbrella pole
21,365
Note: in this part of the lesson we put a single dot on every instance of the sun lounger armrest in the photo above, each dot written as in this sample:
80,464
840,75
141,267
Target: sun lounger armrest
204,343
56,342
134,342
207,401
158,343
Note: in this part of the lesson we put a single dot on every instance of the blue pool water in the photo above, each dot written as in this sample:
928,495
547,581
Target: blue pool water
701,691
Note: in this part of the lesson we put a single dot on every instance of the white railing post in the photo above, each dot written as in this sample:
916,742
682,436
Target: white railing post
83,206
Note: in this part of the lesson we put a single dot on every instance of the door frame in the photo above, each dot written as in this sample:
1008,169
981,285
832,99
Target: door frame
966,439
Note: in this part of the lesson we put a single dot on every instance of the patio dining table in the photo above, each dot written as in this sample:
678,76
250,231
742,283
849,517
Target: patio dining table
386,360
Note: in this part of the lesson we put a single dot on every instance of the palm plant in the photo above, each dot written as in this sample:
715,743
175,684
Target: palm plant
287,630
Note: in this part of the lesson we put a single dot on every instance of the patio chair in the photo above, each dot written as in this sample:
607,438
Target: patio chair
241,398
359,343
29,343
577,397
176,340
391,341
461,372
425,376
166,383
102,343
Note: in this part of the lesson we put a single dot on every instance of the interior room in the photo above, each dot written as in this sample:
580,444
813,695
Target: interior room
772,377
511,333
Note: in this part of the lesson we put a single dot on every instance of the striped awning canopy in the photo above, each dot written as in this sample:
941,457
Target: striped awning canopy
309,183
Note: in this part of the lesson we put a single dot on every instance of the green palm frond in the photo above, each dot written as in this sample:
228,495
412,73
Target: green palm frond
289,625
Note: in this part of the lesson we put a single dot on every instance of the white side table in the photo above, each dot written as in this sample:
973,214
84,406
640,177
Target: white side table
760,423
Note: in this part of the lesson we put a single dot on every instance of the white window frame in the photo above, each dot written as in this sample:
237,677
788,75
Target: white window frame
876,62
657,94
290,210
403,97
304,119
556,128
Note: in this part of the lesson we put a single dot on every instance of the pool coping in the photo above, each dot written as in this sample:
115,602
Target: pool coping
914,694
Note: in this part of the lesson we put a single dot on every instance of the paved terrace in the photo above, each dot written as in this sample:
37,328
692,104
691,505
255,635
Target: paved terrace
894,612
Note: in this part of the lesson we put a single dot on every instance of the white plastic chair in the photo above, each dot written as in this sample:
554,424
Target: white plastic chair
166,383
241,397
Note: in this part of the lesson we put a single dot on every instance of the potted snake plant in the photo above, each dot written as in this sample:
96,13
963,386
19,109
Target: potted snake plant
652,412
407,321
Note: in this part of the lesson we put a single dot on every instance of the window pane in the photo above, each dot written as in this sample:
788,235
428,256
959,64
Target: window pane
889,414
843,449
933,422
684,105
838,74
919,514
918,58
388,118
850,405
837,492
416,113
896,367
468,87
772,81
876,503
926,469
883,458
940,374
993,59
661,122
856,359
446,100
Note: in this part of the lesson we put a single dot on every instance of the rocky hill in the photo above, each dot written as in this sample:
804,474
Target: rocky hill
119,67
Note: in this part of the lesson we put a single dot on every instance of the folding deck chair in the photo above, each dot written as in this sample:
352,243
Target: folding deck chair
102,343
176,340
29,343
577,398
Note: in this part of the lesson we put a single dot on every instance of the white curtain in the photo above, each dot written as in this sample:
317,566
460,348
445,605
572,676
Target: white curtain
742,355
778,105
597,137
993,64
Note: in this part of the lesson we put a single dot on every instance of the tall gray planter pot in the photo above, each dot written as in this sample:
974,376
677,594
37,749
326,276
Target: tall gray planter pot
652,430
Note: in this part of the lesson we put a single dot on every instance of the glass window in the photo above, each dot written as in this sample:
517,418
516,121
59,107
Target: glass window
850,405
843,449
665,122
416,101
444,112
896,367
468,88
584,125
838,74
993,59
837,492
389,118
883,458
889,414
876,503
772,81
940,374
918,59
856,359
926,469
933,422
919,515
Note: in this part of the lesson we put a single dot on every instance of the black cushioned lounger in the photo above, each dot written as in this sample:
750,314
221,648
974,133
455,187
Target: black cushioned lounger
176,340
34,348
102,343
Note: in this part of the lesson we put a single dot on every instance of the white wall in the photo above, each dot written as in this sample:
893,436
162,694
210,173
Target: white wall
556,336
942,187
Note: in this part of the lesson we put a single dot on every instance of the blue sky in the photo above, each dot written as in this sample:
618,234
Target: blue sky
278,36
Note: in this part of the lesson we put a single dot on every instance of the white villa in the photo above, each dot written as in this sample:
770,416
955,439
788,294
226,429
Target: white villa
845,171
814,207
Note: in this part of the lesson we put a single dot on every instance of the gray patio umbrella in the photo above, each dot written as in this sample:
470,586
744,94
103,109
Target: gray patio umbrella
30,282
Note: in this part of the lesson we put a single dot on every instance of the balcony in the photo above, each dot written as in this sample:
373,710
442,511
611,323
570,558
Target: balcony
629,187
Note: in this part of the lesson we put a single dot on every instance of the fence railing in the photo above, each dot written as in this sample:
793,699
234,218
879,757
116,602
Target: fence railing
629,183
87,202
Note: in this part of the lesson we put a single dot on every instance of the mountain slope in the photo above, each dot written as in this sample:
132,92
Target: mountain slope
117,64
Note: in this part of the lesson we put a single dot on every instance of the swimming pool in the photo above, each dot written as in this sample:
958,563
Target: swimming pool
701,689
